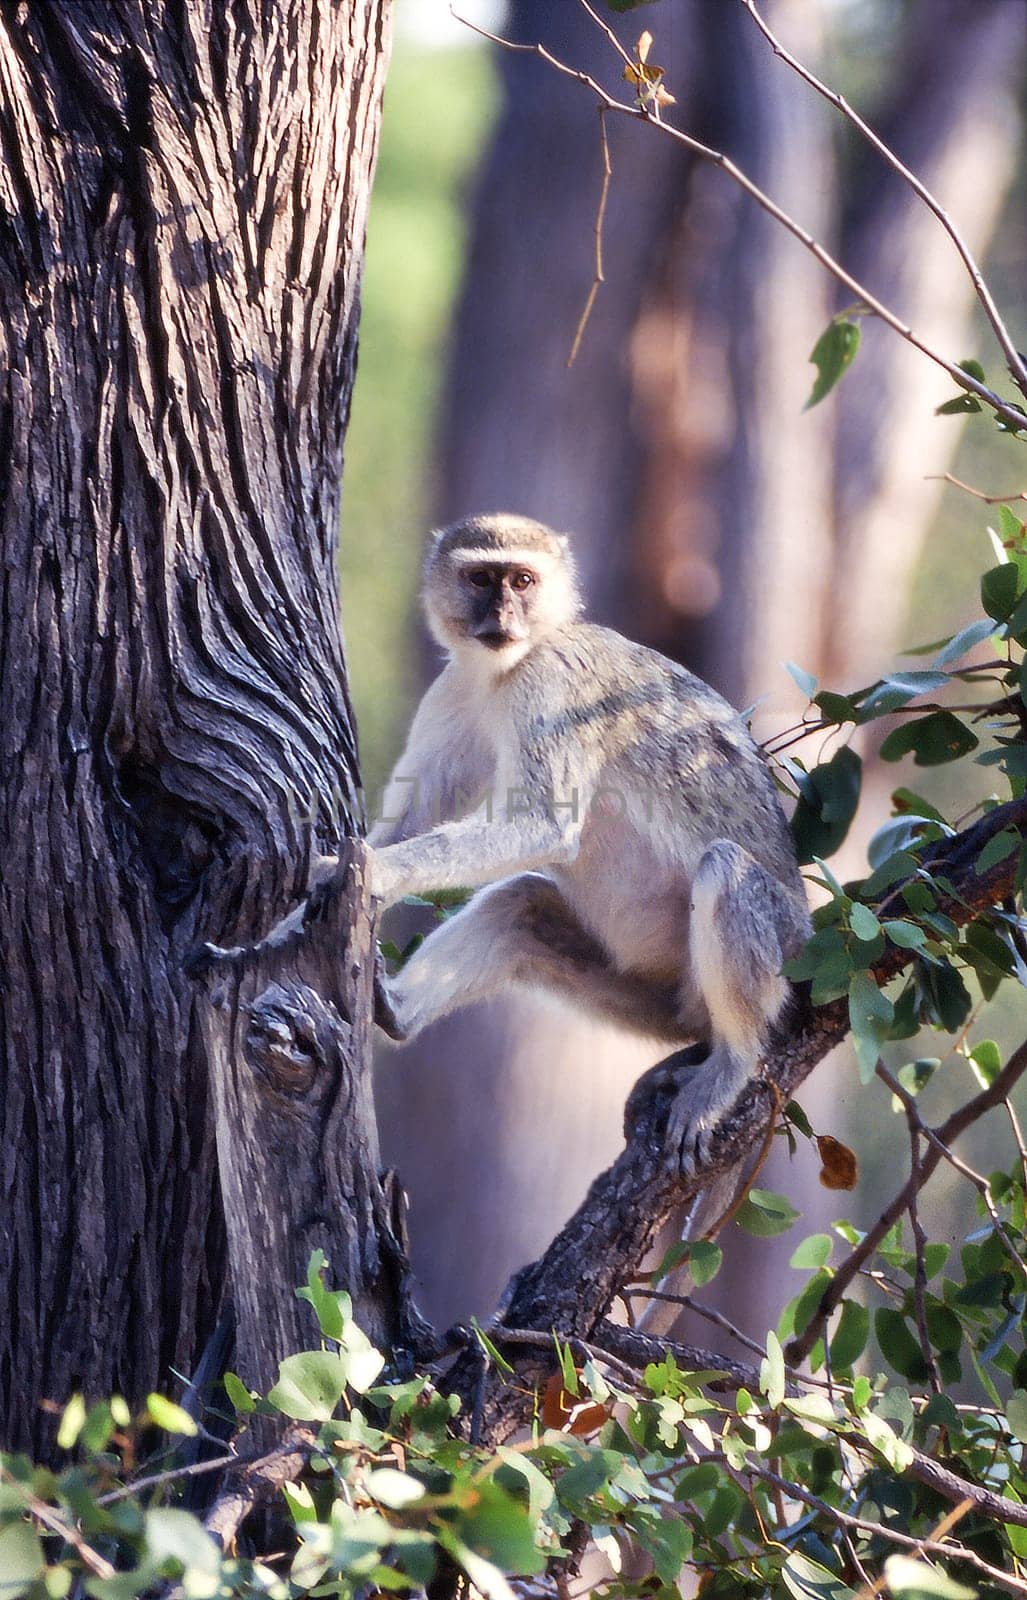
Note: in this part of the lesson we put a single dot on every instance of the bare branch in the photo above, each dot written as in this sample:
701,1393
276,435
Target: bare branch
1013,357
1010,414
842,1519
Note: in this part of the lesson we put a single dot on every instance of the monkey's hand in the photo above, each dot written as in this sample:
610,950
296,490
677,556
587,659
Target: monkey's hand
384,1011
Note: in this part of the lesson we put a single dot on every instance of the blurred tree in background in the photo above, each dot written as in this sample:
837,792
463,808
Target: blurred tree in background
713,518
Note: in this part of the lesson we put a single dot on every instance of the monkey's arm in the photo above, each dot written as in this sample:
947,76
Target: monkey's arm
532,818
466,854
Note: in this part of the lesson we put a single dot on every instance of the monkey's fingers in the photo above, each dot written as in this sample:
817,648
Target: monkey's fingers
384,1011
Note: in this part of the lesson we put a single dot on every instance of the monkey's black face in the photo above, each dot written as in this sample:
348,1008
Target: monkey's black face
501,598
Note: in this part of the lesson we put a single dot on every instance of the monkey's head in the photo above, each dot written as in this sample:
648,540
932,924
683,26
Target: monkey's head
495,585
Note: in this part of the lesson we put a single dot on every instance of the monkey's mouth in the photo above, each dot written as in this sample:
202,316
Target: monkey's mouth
496,639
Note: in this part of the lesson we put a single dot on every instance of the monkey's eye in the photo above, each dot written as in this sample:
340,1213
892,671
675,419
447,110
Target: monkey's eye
522,580
480,578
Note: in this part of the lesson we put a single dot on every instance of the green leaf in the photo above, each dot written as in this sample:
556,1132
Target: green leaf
805,680
363,1362
1016,1414
808,1580
899,688
1000,589
173,1535
898,1346
495,1356
986,1059
813,1253
484,1575
836,707
499,1529
909,1579
851,1335
870,1016
310,1385
238,1393
863,922
963,401
21,1559
931,740
171,1417
772,1371
393,1488
997,848
907,935
765,1214
914,1075
966,639
72,1422
333,1308
833,352
828,797
580,1482
704,1259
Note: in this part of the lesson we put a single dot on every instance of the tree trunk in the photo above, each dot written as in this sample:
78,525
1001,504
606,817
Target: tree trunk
184,189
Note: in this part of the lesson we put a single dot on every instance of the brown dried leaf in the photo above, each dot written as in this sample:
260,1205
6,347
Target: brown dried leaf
567,1413
840,1169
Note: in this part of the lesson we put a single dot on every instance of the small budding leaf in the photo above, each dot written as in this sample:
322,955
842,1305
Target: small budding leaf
833,352
169,1416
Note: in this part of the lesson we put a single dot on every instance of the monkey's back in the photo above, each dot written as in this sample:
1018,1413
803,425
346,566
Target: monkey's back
661,759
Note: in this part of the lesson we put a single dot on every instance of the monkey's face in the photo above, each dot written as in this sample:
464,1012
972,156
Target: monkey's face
499,603
493,602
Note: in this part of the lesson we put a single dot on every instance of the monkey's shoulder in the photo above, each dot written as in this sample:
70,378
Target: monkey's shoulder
604,677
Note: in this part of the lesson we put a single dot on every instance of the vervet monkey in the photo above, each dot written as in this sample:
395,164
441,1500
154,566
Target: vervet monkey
645,869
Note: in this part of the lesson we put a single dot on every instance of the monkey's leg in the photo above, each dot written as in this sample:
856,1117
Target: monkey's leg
744,926
522,931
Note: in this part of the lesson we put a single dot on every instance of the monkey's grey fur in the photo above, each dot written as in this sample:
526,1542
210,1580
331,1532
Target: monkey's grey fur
645,868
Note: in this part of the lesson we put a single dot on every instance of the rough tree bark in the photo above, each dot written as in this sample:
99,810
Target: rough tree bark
183,192
708,510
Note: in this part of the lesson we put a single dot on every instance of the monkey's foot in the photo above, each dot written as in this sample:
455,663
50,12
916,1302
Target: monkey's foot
704,1096
689,1132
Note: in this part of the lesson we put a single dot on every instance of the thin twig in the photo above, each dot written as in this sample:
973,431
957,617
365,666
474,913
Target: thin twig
1010,414
598,277
978,494
991,311
156,1479
97,1564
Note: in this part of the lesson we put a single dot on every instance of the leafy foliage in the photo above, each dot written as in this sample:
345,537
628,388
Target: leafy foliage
674,1465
